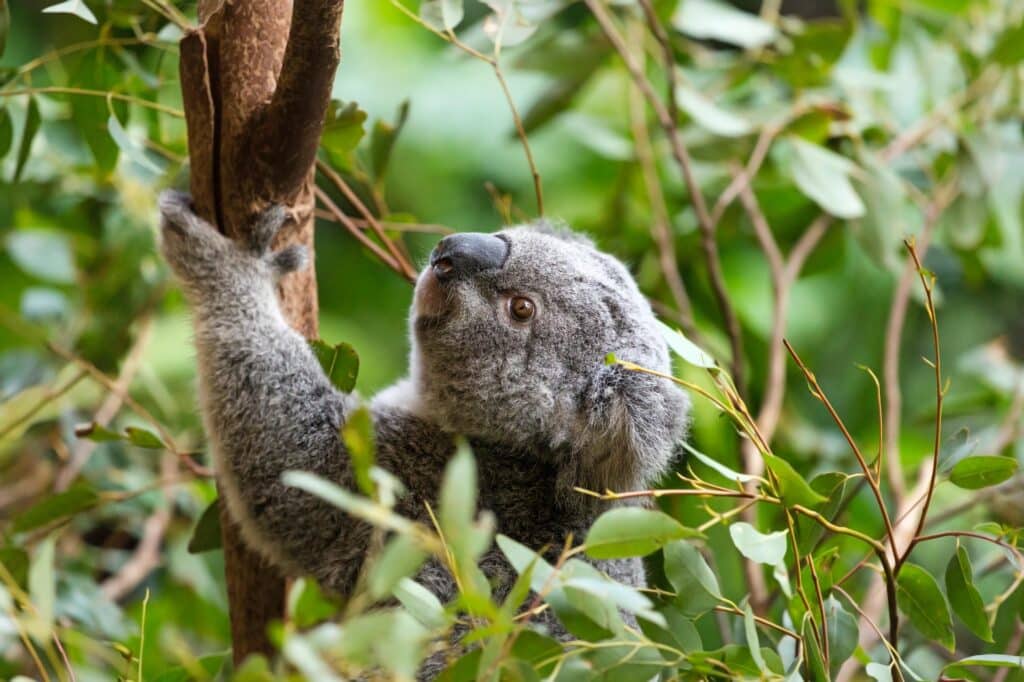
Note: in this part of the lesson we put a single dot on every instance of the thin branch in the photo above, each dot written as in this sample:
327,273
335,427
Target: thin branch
288,135
661,228
407,270
354,230
109,408
424,228
131,99
685,163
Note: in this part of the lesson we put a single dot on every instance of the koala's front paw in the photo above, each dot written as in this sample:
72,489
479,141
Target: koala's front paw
197,252
192,247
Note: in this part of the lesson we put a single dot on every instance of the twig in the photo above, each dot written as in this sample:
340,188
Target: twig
56,90
111,385
425,228
146,556
660,224
685,163
45,400
109,408
407,270
354,230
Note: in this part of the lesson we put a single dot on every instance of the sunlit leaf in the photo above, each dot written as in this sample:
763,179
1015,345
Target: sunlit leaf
709,19
633,531
401,557
709,115
421,603
964,596
921,600
343,129
684,348
793,489
982,471
75,7
358,435
442,14
824,176
43,253
693,580
42,587
143,438
763,548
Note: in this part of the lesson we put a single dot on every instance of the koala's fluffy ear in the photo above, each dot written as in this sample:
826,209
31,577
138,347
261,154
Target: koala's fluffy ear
626,433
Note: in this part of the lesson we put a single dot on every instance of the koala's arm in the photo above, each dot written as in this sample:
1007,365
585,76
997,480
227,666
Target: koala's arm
267,406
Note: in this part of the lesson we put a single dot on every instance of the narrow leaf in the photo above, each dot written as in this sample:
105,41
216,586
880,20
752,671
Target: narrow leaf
633,531
28,134
964,596
6,126
206,536
921,600
982,471
75,7
144,439
685,348
59,506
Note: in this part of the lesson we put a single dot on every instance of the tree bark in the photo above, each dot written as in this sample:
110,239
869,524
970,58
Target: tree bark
256,80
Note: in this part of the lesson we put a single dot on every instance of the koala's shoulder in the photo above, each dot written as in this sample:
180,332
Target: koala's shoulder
409,445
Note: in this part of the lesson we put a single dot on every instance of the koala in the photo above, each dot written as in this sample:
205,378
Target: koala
509,334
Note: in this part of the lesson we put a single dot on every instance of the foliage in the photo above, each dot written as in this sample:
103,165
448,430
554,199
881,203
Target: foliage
801,197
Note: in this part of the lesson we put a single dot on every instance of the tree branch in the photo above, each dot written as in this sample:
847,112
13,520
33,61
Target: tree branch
288,133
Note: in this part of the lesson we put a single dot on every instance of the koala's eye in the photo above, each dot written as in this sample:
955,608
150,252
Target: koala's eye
521,308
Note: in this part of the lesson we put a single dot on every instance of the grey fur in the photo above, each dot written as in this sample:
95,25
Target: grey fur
542,410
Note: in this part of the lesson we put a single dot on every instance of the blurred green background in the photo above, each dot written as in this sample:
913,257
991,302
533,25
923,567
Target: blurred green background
79,269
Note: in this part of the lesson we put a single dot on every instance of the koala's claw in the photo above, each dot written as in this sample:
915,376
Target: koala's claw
265,226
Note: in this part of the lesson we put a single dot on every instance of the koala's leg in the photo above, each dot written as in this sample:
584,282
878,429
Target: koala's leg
267,406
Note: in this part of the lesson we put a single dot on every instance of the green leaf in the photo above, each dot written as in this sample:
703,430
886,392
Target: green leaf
16,561
921,600
5,25
211,665
401,557
695,583
6,126
28,134
753,642
59,506
356,505
131,149
1009,47
444,15
340,363
42,588
823,176
633,531
982,471
984,661
763,548
793,489
457,509
383,137
843,633
308,604
964,596
709,115
358,435
421,603
207,533
880,672
42,253
144,439
75,7
719,467
814,659
712,20
684,348
343,129
97,433
254,669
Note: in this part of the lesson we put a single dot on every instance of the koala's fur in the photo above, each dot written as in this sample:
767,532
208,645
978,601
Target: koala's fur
542,410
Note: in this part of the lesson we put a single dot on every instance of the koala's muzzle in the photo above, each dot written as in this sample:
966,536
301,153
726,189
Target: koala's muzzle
467,253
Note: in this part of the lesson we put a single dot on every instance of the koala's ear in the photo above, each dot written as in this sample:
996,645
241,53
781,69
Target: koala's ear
627,431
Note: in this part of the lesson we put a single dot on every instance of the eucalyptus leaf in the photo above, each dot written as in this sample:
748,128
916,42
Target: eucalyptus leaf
824,177
694,582
6,125
764,548
982,471
75,7
42,253
793,489
633,531
55,507
921,600
207,534
709,19
964,596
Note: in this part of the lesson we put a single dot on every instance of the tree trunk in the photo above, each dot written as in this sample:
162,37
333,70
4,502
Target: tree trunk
256,80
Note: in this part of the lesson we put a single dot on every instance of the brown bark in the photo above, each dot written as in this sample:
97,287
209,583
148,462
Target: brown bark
256,80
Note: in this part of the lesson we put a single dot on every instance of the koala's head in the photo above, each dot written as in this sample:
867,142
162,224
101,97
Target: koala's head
510,335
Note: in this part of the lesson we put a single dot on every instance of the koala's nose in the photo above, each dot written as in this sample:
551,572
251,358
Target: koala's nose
467,253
